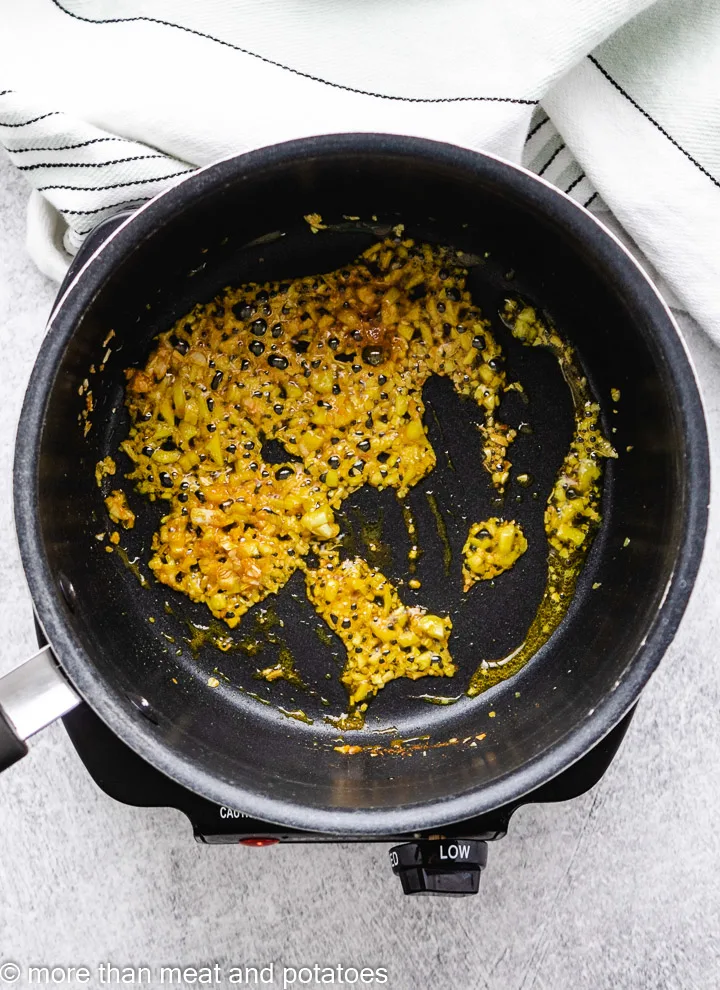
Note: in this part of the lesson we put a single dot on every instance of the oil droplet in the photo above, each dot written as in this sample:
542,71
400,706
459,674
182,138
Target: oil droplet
212,635
325,637
411,526
132,566
377,552
441,530
298,714
284,669
438,424
438,699
346,722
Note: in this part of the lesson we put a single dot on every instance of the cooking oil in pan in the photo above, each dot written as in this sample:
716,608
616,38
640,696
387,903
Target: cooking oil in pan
205,479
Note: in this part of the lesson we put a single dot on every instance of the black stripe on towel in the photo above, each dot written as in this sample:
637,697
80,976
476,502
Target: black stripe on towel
117,161
551,159
652,120
65,147
53,113
116,185
536,128
287,68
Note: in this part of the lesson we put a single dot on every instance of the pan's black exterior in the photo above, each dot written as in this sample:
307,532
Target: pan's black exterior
211,230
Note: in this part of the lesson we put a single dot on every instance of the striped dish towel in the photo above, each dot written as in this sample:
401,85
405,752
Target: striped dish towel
79,172
617,102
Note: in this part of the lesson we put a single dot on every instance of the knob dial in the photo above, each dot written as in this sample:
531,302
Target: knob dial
440,866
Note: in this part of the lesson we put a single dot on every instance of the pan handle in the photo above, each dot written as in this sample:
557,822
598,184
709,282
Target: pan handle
31,696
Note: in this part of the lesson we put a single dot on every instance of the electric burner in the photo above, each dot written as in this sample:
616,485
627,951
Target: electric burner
446,862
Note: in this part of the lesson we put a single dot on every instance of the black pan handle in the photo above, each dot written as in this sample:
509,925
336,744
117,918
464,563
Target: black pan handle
31,696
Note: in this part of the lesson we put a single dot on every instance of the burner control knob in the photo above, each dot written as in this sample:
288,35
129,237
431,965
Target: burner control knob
440,866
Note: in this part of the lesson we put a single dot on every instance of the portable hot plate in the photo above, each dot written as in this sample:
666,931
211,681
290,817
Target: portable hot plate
448,863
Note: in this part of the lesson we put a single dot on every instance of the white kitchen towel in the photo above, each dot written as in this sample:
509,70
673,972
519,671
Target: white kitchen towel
103,103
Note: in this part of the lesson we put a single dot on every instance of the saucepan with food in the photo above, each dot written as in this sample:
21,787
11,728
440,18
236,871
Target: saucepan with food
361,484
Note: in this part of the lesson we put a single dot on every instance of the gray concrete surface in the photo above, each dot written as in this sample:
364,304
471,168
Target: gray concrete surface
617,889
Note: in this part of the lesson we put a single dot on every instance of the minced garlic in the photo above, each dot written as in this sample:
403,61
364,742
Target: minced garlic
119,510
258,413
492,547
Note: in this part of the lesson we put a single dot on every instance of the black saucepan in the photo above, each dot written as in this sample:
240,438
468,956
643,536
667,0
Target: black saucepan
124,648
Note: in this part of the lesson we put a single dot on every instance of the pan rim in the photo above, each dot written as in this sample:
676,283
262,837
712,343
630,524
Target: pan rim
140,735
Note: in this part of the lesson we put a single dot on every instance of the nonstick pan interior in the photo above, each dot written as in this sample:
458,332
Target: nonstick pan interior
454,495
232,742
